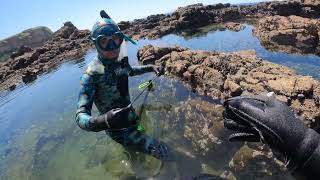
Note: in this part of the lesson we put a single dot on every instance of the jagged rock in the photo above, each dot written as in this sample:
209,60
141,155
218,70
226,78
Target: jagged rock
67,43
153,53
29,76
304,8
221,75
292,86
33,37
65,32
235,89
286,8
291,34
20,63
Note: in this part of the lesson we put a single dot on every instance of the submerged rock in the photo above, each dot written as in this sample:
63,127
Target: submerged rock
257,163
234,26
222,75
203,124
291,34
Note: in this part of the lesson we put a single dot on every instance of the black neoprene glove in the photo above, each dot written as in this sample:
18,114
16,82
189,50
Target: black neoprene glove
159,70
113,119
270,121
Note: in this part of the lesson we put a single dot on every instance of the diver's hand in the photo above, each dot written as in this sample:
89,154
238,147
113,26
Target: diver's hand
115,115
159,70
110,118
270,121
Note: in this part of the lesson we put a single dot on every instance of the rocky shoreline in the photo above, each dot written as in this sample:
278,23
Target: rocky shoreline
223,75
198,15
286,26
70,43
26,64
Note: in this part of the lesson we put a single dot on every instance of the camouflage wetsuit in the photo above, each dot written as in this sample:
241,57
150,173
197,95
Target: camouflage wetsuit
105,83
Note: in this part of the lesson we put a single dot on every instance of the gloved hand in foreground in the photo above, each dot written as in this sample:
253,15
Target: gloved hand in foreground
270,121
159,70
113,119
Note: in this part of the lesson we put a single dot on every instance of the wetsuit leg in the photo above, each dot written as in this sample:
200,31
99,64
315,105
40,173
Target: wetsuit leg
143,143
138,141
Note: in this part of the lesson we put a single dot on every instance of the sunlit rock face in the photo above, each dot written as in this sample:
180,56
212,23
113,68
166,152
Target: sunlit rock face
291,34
222,75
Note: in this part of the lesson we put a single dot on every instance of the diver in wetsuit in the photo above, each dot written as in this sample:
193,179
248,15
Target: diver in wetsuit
265,119
105,83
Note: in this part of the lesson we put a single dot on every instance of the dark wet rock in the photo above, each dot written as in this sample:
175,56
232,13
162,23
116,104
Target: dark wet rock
221,75
23,49
123,25
311,8
65,44
285,8
20,63
234,26
303,8
291,34
29,76
12,87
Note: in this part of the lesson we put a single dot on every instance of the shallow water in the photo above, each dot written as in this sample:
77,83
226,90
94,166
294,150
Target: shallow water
40,140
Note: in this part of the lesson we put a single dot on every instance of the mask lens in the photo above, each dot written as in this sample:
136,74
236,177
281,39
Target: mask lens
103,41
116,38
109,43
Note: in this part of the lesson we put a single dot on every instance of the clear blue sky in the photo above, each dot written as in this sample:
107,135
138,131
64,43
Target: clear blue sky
18,15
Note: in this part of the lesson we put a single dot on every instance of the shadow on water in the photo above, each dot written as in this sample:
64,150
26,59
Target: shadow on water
40,139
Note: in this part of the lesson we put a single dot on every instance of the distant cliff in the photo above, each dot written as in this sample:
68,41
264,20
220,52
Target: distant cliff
33,37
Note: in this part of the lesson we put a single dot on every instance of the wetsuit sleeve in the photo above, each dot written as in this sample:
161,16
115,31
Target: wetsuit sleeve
137,70
85,101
